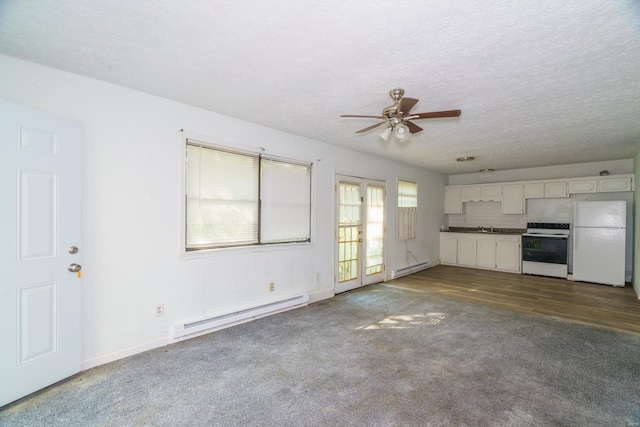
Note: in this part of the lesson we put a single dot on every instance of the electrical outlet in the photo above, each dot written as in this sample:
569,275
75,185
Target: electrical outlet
272,286
159,310
317,277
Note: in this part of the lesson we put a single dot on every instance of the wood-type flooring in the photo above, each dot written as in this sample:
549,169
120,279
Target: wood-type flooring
600,306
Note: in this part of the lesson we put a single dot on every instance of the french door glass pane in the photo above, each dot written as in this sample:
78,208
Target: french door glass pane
375,230
348,232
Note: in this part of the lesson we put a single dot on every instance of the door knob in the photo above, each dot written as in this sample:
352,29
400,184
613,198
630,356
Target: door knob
74,268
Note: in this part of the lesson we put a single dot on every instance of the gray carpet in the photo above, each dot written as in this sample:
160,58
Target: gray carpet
373,357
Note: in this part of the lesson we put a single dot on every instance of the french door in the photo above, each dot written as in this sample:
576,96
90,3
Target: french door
40,258
360,232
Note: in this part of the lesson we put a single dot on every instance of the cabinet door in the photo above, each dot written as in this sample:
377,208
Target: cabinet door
470,192
486,253
489,191
555,189
583,186
508,256
613,184
452,200
448,248
534,190
467,252
512,199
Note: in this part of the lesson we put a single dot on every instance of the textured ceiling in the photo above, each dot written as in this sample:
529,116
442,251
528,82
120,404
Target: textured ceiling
539,82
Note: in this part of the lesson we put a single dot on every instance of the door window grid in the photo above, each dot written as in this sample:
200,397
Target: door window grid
375,230
348,231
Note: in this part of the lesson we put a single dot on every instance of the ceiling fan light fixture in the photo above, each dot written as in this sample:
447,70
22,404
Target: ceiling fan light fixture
386,133
401,131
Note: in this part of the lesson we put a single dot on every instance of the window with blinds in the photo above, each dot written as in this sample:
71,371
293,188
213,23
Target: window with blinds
407,210
238,199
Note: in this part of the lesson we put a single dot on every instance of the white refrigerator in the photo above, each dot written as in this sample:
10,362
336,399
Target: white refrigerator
599,230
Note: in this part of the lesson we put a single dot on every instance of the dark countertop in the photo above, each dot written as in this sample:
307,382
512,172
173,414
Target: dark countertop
513,231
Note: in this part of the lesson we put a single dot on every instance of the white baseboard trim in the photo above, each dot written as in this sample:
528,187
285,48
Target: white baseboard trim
121,354
320,295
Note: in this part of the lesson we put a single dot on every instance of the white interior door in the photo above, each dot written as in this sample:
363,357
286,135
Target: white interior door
360,232
40,227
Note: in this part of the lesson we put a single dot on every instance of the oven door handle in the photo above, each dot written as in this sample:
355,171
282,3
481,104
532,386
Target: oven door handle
556,236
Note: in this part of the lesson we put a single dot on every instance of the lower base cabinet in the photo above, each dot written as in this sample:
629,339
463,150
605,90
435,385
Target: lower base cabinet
500,252
486,251
448,248
466,250
509,255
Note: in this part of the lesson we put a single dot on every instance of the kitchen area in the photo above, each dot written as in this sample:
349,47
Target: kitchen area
578,228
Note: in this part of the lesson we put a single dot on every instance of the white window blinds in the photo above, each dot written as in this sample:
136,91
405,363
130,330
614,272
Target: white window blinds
222,198
407,210
285,195
235,199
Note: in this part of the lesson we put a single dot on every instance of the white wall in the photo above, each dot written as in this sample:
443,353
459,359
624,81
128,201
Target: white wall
636,234
131,211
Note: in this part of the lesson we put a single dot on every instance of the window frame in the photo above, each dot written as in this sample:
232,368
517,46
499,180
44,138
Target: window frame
260,152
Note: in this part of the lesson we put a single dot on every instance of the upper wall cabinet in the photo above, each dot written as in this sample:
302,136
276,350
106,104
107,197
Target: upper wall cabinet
533,190
512,199
452,200
601,184
583,186
555,189
615,183
513,194
481,193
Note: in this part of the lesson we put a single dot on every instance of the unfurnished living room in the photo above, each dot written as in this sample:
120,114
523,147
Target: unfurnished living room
360,213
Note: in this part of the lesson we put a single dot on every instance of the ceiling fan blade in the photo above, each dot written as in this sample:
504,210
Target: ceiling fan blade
370,127
406,104
413,128
435,114
366,117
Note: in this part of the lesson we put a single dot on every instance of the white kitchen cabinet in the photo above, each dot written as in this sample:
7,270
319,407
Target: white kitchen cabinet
470,192
491,192
533,190
555,189
583,185
476,250
452,200
612,184
467,250
513,199
508,253
448,248
481,193
486,251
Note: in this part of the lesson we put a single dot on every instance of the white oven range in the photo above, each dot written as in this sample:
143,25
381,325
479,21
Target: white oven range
545,249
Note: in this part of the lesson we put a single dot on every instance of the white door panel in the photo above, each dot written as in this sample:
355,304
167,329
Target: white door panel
39,221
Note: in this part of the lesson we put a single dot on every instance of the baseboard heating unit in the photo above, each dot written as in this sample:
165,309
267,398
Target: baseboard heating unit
410,270
217,322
